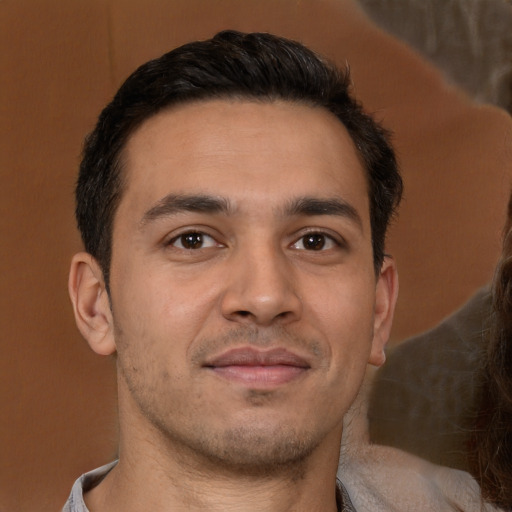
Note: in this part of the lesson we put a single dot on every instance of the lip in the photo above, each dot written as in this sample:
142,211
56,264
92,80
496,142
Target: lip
258,369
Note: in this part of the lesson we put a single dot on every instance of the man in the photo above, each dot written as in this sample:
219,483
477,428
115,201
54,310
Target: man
233,201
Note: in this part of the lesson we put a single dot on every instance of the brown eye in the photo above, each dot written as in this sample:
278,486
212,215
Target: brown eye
193,240
313,242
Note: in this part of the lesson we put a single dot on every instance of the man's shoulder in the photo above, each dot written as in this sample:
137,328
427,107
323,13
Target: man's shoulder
83,484
390,480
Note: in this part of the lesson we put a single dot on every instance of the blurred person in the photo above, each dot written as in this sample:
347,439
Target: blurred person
492,463
446,395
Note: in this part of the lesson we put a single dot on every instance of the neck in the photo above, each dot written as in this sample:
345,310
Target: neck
155,473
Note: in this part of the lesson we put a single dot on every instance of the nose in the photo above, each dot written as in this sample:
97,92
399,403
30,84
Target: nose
261,289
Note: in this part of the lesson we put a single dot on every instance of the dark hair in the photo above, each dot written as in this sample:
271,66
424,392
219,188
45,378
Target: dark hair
230,65
493,436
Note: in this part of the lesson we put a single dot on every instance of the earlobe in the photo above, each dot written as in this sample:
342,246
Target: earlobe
91,303
385,300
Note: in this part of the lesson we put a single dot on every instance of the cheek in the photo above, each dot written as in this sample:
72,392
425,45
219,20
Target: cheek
344,312
344,306
163,313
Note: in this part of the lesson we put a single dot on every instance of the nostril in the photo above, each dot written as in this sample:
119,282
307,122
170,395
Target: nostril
243,313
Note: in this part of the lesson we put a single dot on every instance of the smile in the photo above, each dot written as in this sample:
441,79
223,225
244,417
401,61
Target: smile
261,369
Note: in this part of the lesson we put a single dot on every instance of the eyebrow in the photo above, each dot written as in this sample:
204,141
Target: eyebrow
312,206
173,204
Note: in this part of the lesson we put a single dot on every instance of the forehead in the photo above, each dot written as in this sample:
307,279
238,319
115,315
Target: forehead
274,150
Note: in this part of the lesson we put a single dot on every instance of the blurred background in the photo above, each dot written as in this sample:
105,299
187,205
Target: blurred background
438,73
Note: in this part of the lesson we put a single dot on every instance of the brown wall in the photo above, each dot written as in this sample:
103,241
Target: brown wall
61,61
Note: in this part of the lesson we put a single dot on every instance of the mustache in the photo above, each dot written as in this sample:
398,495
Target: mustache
252,336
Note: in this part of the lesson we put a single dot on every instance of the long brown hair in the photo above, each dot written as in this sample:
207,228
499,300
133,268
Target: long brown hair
493,454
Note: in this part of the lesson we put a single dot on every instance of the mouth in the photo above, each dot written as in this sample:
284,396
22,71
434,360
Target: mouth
258,369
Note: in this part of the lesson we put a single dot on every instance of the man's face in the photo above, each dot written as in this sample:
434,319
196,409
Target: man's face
242,281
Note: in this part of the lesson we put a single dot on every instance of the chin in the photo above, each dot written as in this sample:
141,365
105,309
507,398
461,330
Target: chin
258,451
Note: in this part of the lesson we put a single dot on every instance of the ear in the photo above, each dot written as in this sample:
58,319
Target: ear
91,304
385,299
